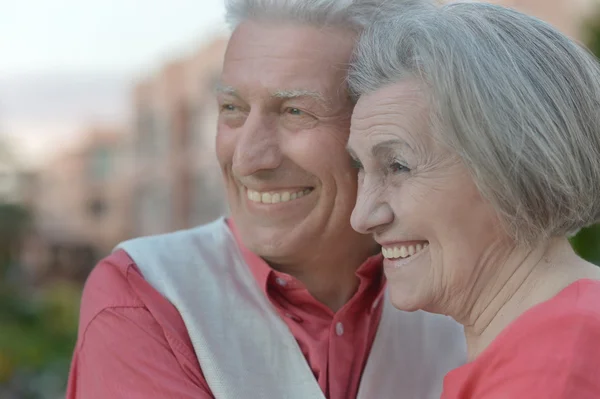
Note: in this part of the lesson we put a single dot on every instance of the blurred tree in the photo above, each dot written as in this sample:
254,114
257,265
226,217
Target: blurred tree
14,221
587,241
38,326
592,34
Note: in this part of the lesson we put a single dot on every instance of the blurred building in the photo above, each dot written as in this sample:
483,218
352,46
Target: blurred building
81,207
566,15
159,175
16,183
176,181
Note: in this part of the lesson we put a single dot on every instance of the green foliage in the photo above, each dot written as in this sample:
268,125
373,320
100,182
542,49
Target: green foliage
587,241
587,244
38,327
14,221
37,331
592,33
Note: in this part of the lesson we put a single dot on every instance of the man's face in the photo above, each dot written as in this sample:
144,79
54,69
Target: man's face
283,126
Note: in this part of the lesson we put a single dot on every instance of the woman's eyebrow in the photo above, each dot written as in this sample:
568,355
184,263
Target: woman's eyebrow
383,148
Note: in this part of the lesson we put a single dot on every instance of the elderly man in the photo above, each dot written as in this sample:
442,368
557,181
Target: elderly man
283,299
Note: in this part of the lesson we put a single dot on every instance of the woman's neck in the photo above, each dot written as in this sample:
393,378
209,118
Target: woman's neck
526,279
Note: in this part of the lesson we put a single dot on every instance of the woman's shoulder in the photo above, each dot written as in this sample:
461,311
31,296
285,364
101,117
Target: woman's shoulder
587,301
572,312
561,322
551,348
579,299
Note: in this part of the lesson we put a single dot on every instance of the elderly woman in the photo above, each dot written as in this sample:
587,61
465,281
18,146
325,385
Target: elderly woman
477,138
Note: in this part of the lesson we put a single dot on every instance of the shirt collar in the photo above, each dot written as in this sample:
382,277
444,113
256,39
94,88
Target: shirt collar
258,267
369,272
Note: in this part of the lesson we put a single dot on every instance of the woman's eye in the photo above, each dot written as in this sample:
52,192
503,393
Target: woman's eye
397,167
355,163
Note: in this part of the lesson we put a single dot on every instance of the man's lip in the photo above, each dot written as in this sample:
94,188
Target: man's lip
263,189
276,198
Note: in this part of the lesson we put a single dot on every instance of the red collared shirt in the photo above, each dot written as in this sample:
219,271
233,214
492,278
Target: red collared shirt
551,351
133,343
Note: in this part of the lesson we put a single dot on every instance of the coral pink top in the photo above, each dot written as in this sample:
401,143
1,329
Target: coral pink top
133,343
552,351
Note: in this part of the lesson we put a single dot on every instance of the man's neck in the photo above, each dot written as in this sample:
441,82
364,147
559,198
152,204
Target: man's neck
331,277
526,279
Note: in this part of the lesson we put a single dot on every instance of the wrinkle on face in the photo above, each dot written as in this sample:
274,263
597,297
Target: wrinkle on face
436,200
268,70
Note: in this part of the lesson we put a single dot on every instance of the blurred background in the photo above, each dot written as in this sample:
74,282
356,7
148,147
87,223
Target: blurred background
107,126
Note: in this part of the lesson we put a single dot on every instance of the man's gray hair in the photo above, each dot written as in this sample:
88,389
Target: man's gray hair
517,100
351,14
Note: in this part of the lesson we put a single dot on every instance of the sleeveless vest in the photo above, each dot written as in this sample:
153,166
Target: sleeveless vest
247,351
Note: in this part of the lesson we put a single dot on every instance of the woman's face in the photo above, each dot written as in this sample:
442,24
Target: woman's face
420,203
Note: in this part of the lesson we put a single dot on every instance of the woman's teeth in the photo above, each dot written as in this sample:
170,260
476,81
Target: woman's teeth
403,251
275,198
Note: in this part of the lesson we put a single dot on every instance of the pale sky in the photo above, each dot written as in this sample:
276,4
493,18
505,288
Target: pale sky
69,64
99,35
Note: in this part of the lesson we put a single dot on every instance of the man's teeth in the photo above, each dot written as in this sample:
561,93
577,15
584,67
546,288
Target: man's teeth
275,198
403,251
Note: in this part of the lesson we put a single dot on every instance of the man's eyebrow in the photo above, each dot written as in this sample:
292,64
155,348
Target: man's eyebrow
281,94
295,93
298,93
221,88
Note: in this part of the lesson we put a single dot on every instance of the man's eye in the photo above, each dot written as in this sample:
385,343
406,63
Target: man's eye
294,111
228,107
296,119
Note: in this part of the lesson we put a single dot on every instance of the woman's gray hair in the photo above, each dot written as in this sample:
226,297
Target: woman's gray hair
352,14
517,100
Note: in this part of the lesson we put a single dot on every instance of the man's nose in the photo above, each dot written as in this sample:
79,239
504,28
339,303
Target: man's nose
257,147
370,212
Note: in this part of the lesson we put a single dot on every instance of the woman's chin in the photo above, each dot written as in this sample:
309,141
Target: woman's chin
406,299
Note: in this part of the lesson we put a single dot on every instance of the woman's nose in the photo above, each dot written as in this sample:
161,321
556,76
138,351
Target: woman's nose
370,211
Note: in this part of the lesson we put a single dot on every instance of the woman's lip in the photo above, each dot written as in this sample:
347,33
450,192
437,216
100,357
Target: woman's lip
397,263
401,243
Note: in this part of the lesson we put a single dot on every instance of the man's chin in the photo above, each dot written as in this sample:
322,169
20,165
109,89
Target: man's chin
274,244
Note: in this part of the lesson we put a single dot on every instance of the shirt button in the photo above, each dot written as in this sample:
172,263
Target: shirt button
281,281
339,329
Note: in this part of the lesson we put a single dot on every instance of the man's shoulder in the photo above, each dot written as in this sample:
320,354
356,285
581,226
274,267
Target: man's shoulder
116,284
118,281
206,237
109,286
199,233
109,282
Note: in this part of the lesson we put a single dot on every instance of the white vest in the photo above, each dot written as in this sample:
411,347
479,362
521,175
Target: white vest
247,351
